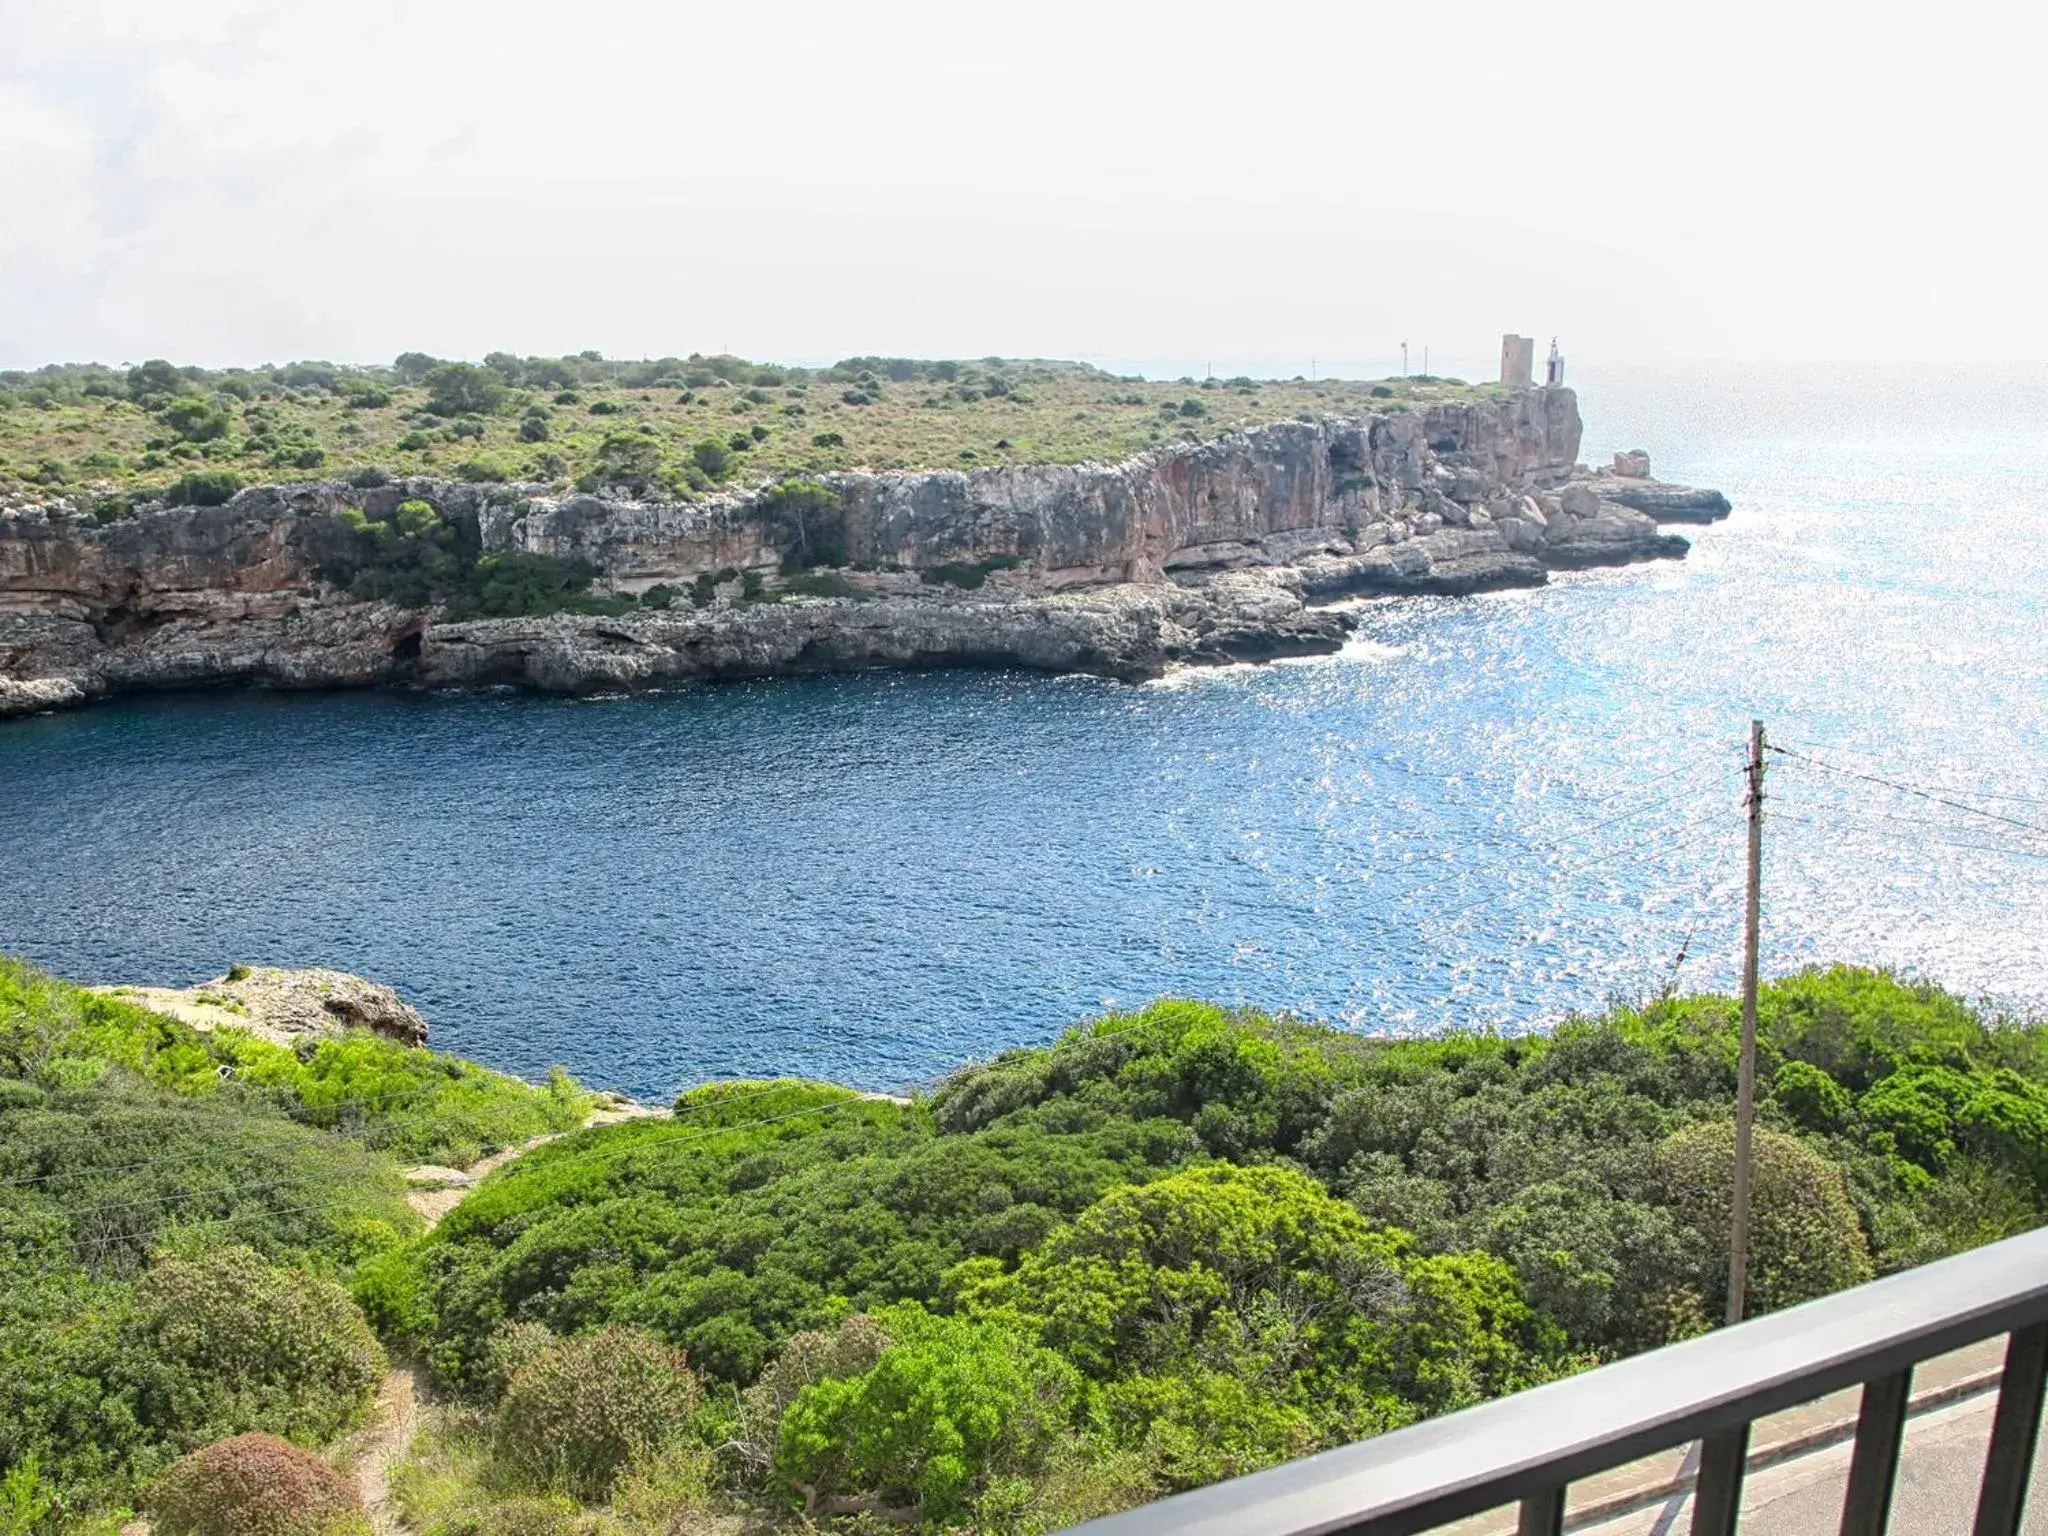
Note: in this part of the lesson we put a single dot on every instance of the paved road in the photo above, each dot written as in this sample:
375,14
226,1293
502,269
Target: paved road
1937,1492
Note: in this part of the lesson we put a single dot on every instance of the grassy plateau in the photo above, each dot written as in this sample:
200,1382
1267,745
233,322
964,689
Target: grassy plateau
672,426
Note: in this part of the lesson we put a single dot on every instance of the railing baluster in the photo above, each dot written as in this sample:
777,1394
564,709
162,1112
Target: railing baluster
1880,1425
2013,1432
1717,1496
1543,1513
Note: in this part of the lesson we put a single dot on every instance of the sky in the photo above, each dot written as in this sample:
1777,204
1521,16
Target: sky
1267,187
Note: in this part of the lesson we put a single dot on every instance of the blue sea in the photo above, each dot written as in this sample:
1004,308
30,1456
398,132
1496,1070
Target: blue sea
1485,812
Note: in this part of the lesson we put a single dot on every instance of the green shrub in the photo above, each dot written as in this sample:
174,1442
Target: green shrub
203,488
1810,1097
630,459
823,584
458,389
157,377
584,1408
947,1406
968,575
808,523
712,457
1805,1238
24,1503
827,440
195,420
256,1485
809,1357
257,1344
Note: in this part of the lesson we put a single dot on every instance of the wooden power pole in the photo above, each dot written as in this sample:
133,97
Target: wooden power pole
1745,1077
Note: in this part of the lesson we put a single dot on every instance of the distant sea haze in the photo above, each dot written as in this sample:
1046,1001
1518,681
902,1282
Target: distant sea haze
1486,812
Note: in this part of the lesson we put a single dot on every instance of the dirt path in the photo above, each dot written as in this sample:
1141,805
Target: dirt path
387,1439
383,1444
437,1190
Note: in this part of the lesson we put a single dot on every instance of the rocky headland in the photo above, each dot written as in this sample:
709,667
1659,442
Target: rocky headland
1222,551
285,1006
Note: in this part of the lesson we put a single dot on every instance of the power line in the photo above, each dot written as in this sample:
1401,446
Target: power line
1941,842
1947,823
1953,789
1911,789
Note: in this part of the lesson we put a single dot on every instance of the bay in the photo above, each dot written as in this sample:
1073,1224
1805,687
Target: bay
1486,812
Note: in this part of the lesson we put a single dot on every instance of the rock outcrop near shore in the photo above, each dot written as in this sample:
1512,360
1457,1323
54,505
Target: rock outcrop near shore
284,1006
1220,551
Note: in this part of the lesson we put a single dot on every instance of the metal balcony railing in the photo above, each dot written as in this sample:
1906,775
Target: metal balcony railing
1529,1448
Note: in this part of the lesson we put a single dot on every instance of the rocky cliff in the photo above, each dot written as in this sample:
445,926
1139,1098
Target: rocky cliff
1217,551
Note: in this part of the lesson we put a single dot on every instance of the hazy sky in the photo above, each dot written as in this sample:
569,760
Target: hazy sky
1249,184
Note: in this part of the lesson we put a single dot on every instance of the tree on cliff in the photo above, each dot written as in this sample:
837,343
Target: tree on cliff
458,389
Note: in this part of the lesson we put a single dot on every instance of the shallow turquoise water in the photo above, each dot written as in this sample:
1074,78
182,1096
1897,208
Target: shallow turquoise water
1487,811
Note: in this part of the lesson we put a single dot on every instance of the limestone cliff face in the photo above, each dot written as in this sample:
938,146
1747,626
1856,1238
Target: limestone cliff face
1094,523
1195,553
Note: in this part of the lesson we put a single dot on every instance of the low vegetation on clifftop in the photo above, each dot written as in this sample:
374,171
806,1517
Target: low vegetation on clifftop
675,426
1176,1245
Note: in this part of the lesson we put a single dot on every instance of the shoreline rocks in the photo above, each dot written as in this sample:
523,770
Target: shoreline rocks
285,1006
1213,552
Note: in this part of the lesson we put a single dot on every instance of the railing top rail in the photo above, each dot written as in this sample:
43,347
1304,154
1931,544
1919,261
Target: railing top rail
1444,1469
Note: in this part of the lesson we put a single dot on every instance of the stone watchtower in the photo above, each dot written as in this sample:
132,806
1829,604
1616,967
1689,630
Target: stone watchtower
1518,360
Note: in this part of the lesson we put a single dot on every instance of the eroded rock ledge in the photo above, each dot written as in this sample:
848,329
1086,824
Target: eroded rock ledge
285,1006
1222,551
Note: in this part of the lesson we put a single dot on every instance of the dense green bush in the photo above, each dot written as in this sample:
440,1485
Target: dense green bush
809,523
203,488
195,420
259,1344
582,1409
946,1407
176,1210
712,457
413,557
455,389
1178,1244
256,1485
967,575
1805,1238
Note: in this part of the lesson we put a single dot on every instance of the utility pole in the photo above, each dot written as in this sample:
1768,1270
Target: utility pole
1745,1076
1425,357
1404,359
